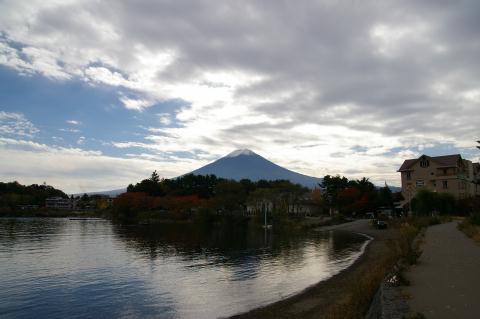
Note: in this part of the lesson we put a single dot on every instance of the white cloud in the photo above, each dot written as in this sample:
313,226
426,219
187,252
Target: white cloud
388,76
69,130
16,124
45,62
135,104
105,76
73,122
391,40
75,170
81,140
164,118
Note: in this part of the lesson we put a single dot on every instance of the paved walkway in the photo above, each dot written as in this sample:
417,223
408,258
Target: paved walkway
446,281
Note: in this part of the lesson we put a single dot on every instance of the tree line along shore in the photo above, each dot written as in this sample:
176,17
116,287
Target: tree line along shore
191,197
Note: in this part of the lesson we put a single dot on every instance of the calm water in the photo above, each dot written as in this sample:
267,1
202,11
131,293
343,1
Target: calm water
58,268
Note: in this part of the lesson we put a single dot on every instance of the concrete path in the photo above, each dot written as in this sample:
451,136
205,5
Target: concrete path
446,281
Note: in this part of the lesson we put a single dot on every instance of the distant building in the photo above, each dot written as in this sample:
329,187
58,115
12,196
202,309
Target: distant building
442,174
259,207
302,208
59,203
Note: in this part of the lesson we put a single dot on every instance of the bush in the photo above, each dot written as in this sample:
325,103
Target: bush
471,227
426,202
204,216
475,219
128,205
445,203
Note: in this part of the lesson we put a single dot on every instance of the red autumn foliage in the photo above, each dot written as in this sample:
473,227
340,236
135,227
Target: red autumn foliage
350,194
183,203
129,203
134,202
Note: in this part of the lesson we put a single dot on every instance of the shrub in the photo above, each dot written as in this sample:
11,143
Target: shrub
475,219
426,202
128,205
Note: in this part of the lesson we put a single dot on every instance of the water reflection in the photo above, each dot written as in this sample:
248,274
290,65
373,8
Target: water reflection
63,268
28,231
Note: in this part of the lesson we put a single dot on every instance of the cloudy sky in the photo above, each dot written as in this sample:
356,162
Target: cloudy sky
96,94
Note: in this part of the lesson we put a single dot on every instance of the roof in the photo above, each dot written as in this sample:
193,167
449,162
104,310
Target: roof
443,161
407,164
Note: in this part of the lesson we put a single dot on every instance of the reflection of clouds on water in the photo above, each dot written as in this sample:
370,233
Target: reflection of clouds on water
28,232
95,268
64,268
238,272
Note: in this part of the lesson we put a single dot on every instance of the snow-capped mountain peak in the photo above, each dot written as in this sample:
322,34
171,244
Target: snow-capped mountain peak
246,164
240,152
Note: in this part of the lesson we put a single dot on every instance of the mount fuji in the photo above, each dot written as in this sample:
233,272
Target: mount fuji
245,164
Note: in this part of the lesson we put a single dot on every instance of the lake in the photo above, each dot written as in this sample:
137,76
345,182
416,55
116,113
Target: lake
61,268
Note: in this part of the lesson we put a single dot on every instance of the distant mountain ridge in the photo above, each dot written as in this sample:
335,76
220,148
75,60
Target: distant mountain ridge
246,164
110,193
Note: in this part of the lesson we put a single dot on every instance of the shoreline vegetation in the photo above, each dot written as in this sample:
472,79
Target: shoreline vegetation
470,226
208,200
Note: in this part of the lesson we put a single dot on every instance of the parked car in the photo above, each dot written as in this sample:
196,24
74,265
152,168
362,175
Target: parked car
380,224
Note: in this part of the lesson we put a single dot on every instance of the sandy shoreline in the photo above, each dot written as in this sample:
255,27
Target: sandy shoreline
318,299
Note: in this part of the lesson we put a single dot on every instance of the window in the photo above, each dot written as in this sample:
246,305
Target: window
445,184
434,183
409,175
445,171
424,163
419,183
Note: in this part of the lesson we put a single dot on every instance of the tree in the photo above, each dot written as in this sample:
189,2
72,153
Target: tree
152,186
445,203
13,194
348,199
229,195
385,197
128,205
318,200
331,186
364,185
424,202
155,178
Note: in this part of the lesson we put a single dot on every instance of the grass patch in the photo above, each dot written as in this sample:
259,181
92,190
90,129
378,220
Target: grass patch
471,227
403,247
